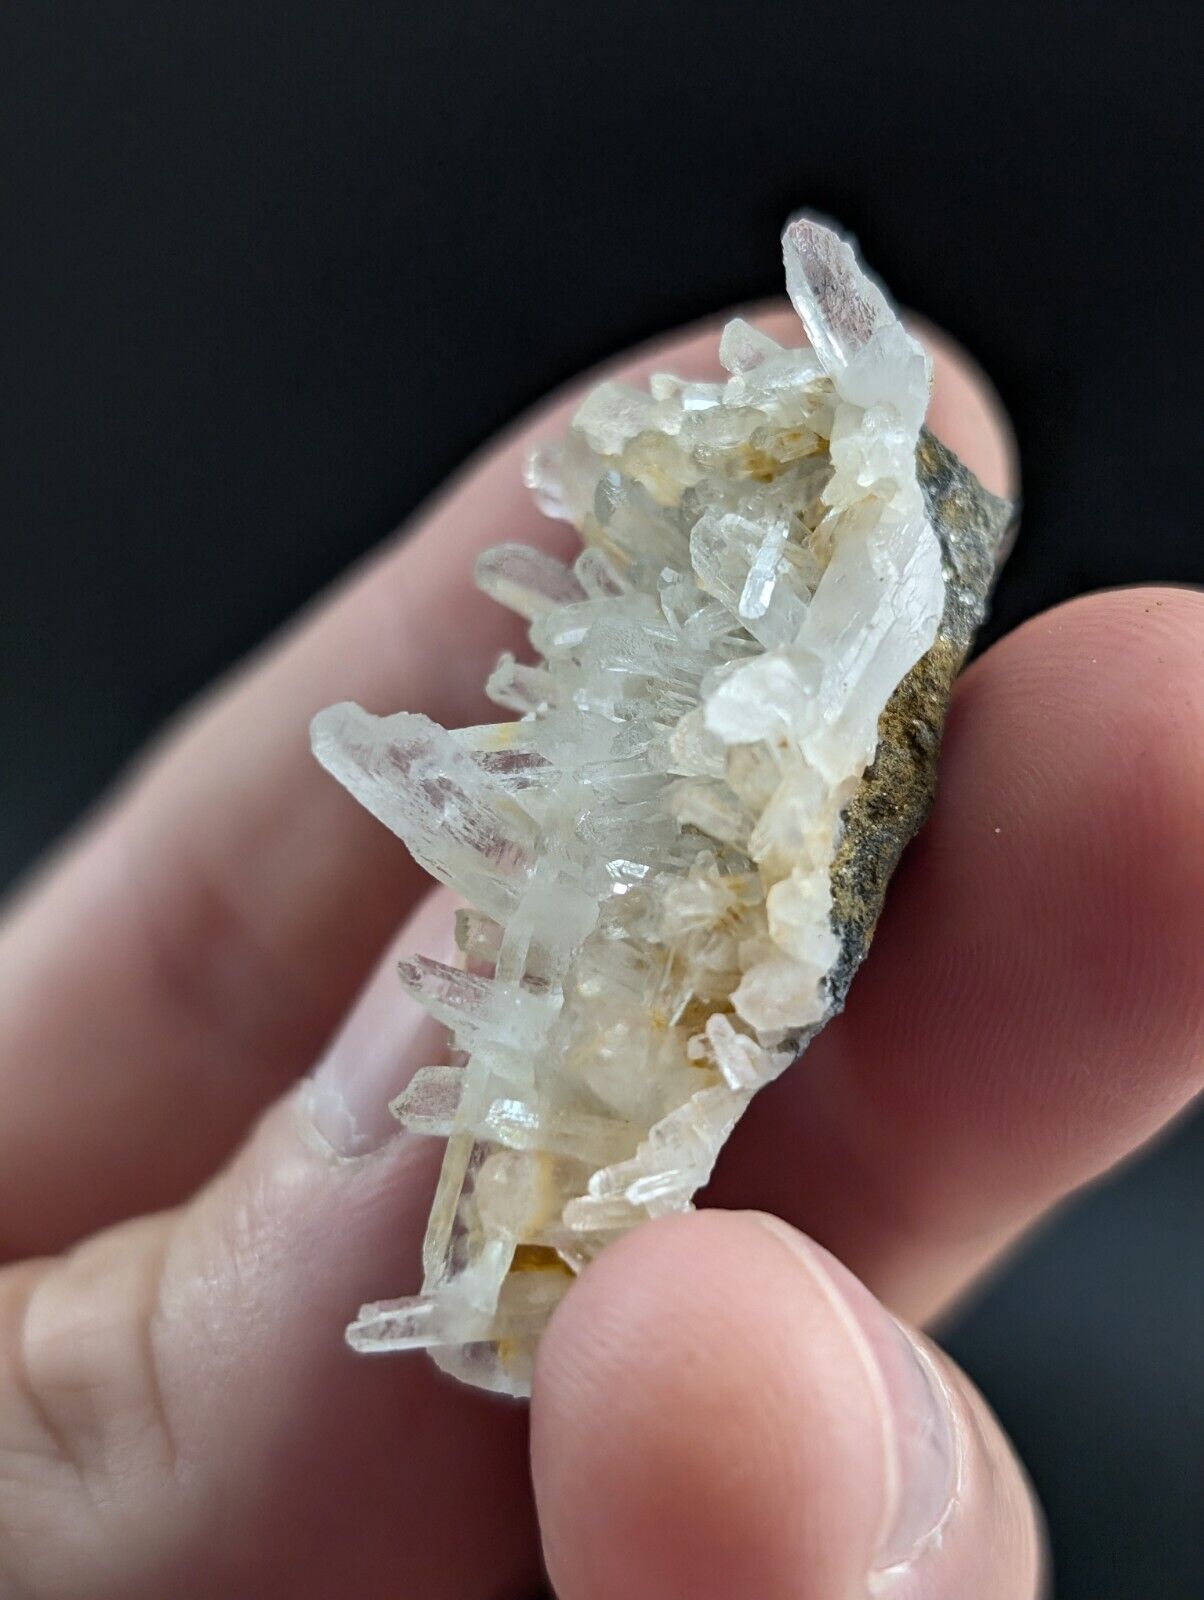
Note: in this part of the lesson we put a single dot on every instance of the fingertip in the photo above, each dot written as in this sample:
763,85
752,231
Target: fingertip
703,1423
1035,1004
721,1409
1098,708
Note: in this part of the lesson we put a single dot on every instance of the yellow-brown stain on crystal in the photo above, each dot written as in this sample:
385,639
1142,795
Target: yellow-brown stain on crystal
767,460
530,1258
539,1258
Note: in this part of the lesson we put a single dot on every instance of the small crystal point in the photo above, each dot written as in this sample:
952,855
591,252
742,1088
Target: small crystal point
675,858
458,999
839,305
526,580
429,1102
852,327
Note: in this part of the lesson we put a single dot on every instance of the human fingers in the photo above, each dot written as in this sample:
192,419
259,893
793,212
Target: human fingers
1032,1009
180,1415
721,1409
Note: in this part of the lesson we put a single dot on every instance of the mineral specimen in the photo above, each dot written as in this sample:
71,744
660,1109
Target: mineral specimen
675,856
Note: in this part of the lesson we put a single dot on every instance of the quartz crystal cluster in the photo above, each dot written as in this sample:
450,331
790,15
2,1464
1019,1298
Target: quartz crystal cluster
674,854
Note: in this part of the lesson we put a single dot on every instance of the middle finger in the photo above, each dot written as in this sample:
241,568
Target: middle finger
1033,1006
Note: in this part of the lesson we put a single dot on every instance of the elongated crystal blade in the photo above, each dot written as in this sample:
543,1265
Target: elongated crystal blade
458,823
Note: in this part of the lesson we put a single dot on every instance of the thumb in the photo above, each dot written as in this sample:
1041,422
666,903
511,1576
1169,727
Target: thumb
722,1410
179,1412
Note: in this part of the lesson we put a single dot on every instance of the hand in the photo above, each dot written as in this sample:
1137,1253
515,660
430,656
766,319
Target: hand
722,1410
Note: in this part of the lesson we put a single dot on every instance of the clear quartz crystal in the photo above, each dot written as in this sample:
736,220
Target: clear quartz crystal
648,852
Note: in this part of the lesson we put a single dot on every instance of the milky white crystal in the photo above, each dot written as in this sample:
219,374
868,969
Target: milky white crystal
648,849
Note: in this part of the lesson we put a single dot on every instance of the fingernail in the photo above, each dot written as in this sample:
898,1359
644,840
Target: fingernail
920,1432
384,1039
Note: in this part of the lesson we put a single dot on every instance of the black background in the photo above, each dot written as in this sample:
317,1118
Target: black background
269,271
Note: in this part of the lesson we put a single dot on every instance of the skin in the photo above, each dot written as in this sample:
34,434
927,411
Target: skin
717,1406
